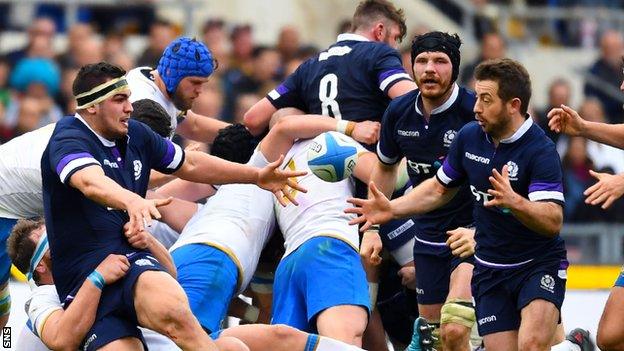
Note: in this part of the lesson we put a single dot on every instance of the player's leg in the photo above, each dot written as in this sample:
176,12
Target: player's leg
228,343
209,278
282,338
345,323
503,341
538,325
457,314
123,344
161,305
374,337
336,291
610,329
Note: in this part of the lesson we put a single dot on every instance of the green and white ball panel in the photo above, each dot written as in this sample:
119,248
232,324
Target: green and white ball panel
332,156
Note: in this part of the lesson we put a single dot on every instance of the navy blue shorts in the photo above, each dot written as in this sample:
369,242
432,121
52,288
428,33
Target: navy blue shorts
434,265
116,317
501,294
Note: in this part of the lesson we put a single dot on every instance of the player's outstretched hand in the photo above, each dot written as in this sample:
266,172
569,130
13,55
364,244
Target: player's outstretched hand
376,210
503,193
461,241
608,189
113,268
366,132
565,120
280,182
141,212
370,248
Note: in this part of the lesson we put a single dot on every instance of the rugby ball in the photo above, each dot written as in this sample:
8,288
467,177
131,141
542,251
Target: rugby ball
332,156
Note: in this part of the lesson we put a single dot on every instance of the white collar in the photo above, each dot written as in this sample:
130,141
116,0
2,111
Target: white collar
351,36
104,141
445,106
520,132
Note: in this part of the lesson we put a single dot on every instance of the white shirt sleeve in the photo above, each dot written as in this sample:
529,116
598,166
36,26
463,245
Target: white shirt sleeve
43,301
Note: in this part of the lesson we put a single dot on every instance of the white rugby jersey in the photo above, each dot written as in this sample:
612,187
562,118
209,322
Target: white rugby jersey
142,86
238,220
20,174
321,209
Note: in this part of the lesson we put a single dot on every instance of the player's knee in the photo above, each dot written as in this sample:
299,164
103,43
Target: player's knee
175,320
282,332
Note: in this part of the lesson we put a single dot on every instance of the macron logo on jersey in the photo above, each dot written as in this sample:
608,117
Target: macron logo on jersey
476,158
110,164
408,133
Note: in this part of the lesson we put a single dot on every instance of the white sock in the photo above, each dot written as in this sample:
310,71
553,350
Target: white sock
567,345
323,343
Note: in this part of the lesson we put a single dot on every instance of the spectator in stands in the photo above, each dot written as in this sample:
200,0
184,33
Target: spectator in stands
78,34
492,46
288,43
559,93
65,98
605,75
264,68
576,165
161,34
40,35
114,51
604,156
243,103
210,100
89,51
242,47
215,38
38,79
29,116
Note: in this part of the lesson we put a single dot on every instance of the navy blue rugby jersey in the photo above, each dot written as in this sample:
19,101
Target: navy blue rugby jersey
534,172
406,133
83,232
350,80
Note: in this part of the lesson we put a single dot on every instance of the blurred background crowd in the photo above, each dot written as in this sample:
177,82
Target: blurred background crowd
43,45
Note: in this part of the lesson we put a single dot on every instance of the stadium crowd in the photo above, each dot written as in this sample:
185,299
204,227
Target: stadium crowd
218,94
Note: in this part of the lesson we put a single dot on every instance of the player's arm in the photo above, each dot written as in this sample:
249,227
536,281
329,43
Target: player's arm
185,190
257,118
286,130
566,120
95,185
544,217
199,127
66,329
400,88
377,209
177,213
384,176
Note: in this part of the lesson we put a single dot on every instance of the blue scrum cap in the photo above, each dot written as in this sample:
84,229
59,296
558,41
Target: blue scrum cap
184,57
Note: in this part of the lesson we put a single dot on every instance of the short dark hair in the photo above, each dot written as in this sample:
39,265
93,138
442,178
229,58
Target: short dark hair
370,11
234,143
19,245
512,78
91,75
153,115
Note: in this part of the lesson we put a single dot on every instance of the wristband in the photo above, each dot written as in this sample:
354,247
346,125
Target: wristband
350,128
341,126
251,314
373,228
96,278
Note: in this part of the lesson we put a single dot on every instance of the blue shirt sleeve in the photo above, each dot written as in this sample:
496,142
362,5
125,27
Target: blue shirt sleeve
388,69
69,153
388,151
546,182
288,93
452,172
165,156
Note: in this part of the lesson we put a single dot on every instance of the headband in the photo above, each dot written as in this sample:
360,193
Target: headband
101,92
40,250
